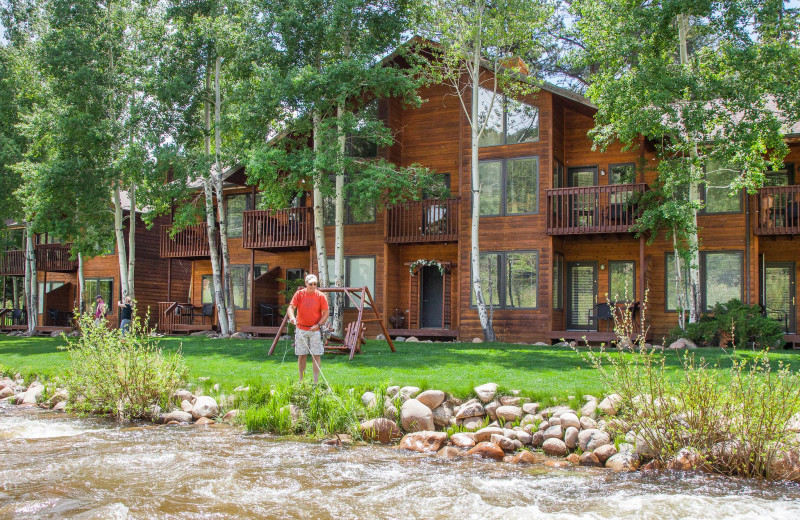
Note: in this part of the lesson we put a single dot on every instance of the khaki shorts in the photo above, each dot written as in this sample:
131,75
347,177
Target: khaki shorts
308,342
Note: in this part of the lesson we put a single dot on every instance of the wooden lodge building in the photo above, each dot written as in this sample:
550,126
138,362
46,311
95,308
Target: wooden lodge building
554,237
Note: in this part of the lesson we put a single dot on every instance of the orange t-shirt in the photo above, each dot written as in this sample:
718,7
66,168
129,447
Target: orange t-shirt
309,307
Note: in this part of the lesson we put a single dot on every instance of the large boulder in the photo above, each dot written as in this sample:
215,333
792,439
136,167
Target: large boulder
554,432
610,405
470,423
381,430
486,392
409,392
392,391
623,461
423,441
33,393
487,450
431,398
182,395
605,452
683,343
462,440
590,440
485,434
491,409
530,408
389,409
186,406
569,419
368,399
785,466
526,457
177,416
555,447
510,400
589,409
524,437
471,408
6,391
442,415
587,423
205,406
571,437
415,416
509,413
687,459
589,459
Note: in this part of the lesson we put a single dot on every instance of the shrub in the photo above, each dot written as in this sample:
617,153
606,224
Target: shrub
732,324
123,375
735,417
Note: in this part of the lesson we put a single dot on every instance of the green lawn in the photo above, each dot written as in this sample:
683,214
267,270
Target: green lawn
544,373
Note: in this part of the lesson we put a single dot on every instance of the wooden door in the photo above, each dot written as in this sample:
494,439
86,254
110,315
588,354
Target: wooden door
779,293
431,297
581,295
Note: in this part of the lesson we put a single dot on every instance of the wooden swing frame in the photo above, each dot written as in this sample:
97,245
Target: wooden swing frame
361,298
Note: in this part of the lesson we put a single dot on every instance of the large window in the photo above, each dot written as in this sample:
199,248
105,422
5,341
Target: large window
621,174
50,287
510,280
207,294
359,271
509,186
94,286
622,280
508,121
240,288
717,196
558,281
357,143
721,274
671,295
235,206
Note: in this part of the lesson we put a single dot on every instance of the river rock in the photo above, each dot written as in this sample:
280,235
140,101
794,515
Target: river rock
205,406
32,394
544,425
504,442
369,399
487,450
389,409
537,439
186,406
485,434
729,453
415,416
509,413
442,415
477,340
587,423
610,405
182,395
423,441
463,440
526,457
573,458
644,447
623,461
571,437
590,440
510,400
589,459
470,423
409,392
60,406
380,429
431,398
231,415
555,411
392,391
554,447
682,343
554,432
605,452
687,459
204,421
449,452
6,391
178,416
589,409
471,408
524,437
530,408
412,339
785,466
569,419
491,409
486,392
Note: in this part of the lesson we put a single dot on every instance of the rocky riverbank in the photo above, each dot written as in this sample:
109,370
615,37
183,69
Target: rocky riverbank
506,428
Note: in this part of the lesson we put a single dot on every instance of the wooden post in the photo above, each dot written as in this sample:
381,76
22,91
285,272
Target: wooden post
252,285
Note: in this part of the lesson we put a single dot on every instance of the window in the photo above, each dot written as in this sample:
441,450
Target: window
50,287
240,289
671,297
295,274
94,286
721,274
621,174
558,281
717,197
509,186
207,294
357,144
235,206
359,271
507,121
622,280
784,177
510,280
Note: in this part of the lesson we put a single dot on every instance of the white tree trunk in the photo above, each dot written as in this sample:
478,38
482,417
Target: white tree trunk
483,316
223,217
119,233
81,282
319,221
338,259
132,242
219,299
31,282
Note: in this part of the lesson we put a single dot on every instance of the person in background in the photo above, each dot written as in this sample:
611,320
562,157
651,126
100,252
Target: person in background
99,310
311,307
125,313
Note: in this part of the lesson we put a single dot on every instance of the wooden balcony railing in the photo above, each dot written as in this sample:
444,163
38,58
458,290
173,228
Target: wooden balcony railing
190,242
778,210
277,229
12,263
593,209
434,220
55,258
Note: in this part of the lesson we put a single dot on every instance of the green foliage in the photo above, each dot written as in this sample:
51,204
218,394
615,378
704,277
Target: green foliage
733,324
121,374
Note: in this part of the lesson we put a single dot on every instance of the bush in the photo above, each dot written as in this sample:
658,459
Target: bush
732,324
123,375
735,418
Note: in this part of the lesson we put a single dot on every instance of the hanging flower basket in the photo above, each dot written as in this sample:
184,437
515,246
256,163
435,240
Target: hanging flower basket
416,264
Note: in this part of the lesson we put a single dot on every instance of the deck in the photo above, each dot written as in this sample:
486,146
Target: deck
12,263
54,258
778,210
423,221
190,242
284,229
592,209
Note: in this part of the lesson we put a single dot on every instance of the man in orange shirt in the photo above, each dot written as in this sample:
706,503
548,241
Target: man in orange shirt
311,308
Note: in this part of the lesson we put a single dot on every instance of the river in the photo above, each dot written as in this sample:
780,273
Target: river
57,466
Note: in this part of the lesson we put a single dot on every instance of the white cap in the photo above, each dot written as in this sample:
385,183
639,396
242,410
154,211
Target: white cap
310,278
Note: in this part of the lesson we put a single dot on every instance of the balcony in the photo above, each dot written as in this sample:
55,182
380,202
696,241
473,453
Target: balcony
778,210
190,242
12,263
423,221
55,258
290,228
593,209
